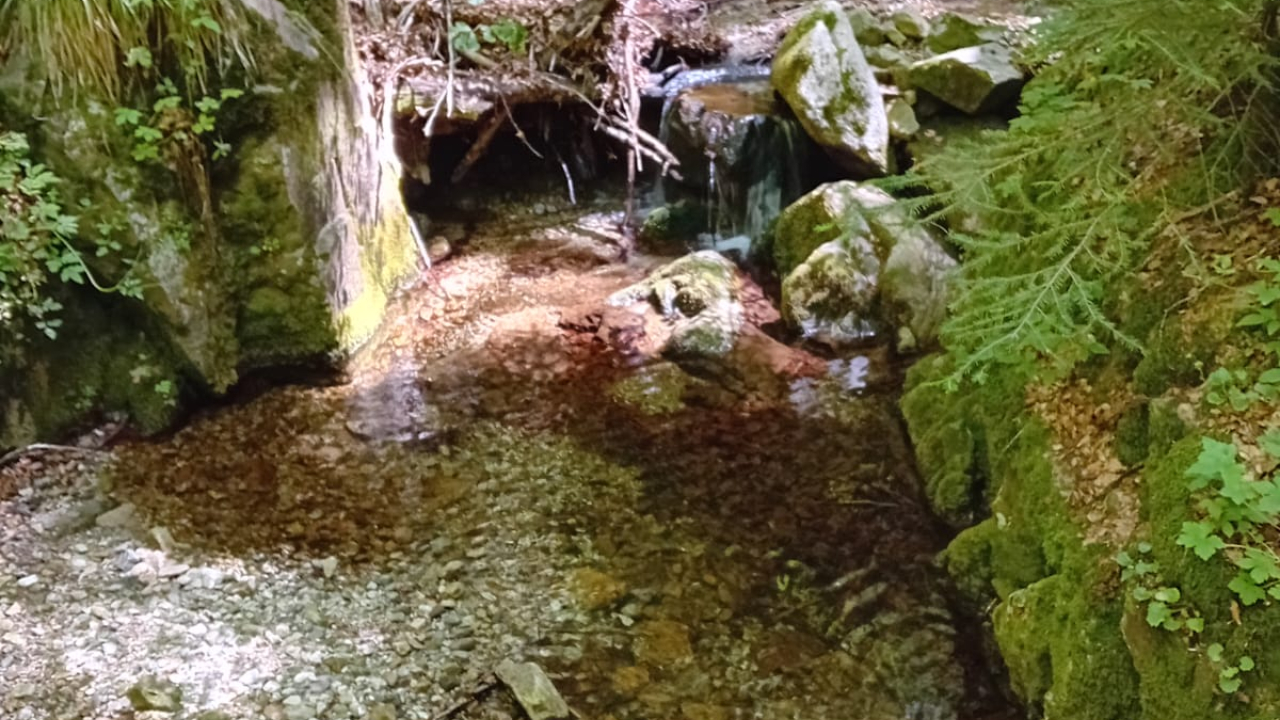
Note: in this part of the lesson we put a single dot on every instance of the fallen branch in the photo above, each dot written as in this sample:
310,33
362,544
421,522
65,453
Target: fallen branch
22,452
478,148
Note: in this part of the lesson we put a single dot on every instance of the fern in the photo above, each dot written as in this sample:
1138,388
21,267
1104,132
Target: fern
1143,108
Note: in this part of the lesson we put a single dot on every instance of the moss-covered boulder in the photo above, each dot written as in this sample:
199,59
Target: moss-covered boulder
892,270
832,297
698,293
952,31
283,246
822,74
978,79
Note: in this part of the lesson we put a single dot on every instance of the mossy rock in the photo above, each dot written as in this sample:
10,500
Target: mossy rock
822,74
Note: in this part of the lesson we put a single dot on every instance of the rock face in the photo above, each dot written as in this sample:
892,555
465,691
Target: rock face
866,267
822,74
286,251
975,79
740,151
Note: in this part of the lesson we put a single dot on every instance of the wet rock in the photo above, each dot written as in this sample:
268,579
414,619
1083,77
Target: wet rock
712,127
596,590
155,694
662,643
831,297
381,711
979,79
821,72
883,267
911,23
902,120
533,690
674,226
741,152
952,31
698,293
627,681
867,28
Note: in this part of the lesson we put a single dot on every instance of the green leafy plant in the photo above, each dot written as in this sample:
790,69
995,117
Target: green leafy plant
1230,675
36,234
1264,316
1055,211
172,119
507,33
1165,607
1237,509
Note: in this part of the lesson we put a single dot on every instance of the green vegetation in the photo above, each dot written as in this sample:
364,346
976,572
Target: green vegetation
37,232
1141,111
102,47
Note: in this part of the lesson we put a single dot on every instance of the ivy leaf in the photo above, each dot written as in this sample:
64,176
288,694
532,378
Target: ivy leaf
1246,589
1270,440
138,57
1158,614
127,116
1200,538
1215,459
1214,652
1195,624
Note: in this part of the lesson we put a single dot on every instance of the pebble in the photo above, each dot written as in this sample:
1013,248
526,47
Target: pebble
28,581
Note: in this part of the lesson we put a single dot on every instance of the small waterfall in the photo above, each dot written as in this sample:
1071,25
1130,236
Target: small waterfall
743,157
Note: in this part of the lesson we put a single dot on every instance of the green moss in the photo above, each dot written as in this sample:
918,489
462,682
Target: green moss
945,445
672,227
968,561
1170,362
1164,427
1132,437
655,390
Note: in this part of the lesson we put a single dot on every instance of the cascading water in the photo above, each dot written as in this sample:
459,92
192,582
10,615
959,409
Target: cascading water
743,158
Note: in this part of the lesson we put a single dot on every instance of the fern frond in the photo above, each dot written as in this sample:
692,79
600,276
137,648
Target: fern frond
1148,106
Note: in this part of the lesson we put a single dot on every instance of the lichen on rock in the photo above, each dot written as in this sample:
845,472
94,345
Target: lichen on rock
822,74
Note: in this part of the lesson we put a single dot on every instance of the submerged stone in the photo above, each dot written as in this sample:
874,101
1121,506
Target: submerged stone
975,80
154,694
534,691
821,72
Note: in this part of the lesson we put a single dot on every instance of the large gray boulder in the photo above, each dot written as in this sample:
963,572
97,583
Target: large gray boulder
979,79
822,74
867,267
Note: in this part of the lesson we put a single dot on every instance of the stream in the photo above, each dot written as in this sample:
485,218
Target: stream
494,481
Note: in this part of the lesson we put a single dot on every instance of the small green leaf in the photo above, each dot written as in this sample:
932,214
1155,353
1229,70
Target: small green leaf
1195,624
1273,216
1158,614
138,57
1229,685
1214,652
1246,663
